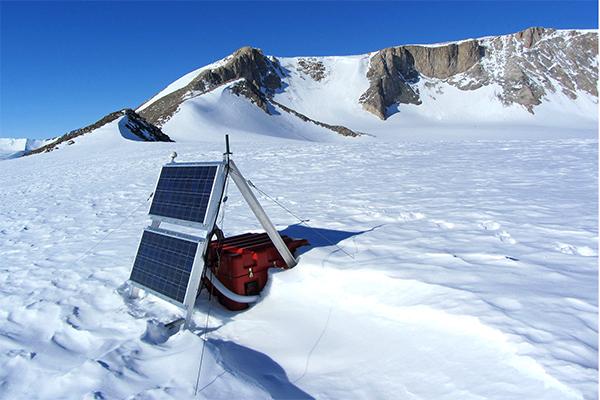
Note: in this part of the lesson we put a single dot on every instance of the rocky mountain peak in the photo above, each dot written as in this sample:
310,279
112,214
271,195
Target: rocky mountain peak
261,73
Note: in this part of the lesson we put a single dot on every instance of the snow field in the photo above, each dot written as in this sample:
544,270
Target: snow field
471,273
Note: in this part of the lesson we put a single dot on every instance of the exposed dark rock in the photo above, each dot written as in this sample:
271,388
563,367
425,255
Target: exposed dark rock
531,36
527,66
530,64
392,72
444,61
246,89
259,72
143,129
312,67
135,123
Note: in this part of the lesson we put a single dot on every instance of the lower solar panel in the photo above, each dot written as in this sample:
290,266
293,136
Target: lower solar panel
164,263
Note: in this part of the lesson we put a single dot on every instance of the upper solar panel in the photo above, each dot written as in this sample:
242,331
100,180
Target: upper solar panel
164,263
184,191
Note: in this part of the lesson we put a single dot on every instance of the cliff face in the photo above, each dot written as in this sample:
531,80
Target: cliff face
393,70
526,66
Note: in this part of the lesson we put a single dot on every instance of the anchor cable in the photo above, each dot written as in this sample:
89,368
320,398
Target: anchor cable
112,230
301,220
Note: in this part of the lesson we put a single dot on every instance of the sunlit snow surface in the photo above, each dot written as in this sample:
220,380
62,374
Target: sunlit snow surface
471,273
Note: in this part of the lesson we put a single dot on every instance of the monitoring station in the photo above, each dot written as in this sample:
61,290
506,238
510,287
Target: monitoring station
172,264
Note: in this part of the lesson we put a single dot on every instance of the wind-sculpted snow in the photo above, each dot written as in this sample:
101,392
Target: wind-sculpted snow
465,270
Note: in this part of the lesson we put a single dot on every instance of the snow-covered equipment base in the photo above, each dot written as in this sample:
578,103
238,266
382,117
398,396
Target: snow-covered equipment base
171,264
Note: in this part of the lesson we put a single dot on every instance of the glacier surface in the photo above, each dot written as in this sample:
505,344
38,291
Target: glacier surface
460,270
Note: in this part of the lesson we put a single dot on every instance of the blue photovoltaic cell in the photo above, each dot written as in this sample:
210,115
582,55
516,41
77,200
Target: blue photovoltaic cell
163,264
184,192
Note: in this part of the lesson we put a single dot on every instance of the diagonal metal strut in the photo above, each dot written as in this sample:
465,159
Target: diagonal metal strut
262,217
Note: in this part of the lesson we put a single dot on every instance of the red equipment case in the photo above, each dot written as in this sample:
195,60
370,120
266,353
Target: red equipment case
244,263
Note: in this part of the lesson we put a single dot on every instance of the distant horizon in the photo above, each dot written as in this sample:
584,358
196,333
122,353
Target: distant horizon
64,65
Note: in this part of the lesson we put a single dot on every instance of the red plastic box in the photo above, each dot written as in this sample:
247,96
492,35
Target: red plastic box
244,263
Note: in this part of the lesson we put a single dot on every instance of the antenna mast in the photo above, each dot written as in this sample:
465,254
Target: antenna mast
227,151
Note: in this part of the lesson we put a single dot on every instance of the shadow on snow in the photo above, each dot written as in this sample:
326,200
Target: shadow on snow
256,368
319,237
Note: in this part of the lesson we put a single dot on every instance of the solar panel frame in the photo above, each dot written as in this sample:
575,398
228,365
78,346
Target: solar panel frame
213,201
200,248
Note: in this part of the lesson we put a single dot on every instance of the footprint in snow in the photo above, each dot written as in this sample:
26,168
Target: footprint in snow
443,224
489,225
21,353
570,249
505,237
410,216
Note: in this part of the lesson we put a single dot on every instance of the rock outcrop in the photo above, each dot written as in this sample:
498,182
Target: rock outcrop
394,71
312,67
531,36
526,65
391,73
260,73
538,61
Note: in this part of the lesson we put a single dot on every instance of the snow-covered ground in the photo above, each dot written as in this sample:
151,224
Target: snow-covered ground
471,272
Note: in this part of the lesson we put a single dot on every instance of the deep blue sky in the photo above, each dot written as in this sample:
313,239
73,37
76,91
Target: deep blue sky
65,65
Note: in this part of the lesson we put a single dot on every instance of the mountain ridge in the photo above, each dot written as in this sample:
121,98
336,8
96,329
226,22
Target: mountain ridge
517,63
537,76
131,126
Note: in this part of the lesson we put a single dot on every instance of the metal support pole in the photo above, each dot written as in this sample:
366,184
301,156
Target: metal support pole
199,265
262,217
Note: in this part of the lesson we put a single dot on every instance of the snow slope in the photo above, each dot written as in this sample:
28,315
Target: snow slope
182,82
471,272
220,111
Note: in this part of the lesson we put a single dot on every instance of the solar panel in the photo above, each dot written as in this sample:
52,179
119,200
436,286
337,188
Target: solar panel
164,263
184,191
